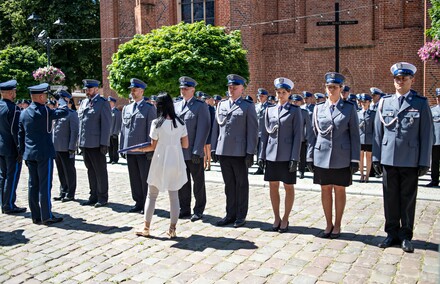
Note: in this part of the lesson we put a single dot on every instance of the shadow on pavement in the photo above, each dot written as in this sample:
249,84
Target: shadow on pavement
200,243
12,238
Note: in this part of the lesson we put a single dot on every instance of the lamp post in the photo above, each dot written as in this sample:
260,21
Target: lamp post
43,36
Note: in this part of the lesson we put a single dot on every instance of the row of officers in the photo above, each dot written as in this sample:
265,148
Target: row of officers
331,134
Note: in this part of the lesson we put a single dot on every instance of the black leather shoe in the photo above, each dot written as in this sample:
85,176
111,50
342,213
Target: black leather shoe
431,184
67,199
52,220
196,217
225,221
141,212
100,204
239,223
88,202
301,175
258,172
14,210
407,246
284,230
135,209
388,242
58,198
184,215
36,221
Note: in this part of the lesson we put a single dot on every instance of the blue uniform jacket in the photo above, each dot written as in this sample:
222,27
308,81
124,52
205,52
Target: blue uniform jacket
65,132
366,125
9,117
116,121
282,134
198,124
404,137
35,131
261,110
337,141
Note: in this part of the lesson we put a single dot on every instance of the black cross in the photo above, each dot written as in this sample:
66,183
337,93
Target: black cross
337,23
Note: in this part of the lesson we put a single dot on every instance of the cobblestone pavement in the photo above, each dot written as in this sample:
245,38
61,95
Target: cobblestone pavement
99,245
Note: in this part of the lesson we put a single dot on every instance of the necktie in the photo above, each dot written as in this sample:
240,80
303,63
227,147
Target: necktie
332,108
401,98
231,103
184,105
134,107
280,108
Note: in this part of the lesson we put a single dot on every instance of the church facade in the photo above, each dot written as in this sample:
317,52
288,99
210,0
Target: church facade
283,37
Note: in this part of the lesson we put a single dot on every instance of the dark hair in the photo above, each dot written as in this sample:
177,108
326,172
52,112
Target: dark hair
72,102
165,108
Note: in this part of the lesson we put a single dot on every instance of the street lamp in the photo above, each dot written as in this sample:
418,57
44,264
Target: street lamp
43,36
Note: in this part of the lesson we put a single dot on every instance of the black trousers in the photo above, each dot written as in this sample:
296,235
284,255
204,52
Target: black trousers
138,168
235,177
198,175
113,149
260,169
66,173
40,185
435,162
97,174
399,198
302,157
9,176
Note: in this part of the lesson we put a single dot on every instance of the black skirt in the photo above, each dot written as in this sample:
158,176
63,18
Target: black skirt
279,171
341,177
367,147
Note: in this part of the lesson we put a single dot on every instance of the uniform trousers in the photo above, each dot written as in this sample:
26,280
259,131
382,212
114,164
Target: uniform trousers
40,185
138,168
302,157
399,196
198,175
9,175
97,174
66,173
235,177
260,169
435,161
113,149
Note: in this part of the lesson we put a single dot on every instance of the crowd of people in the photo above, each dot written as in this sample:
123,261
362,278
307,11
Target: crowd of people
169,144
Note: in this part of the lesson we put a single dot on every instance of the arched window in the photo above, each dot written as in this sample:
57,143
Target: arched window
197,10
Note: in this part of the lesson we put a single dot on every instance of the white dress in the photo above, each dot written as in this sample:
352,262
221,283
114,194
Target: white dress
168,168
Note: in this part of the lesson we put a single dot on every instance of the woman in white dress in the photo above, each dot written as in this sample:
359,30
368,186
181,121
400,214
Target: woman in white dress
168,170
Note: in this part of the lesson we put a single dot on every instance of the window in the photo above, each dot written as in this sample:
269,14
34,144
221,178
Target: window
197,10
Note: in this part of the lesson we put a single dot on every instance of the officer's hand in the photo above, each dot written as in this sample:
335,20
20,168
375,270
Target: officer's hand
103,149
19,158
377,168
293,166
261,163
195,159
249,160
149,155
354,167
310,166
123,155
214,157
423,171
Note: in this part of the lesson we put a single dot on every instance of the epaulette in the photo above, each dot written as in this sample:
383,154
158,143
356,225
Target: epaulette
386,96
320,103
420,96
348,102
249,101
102,98
270,105
199,101
292,105
148,103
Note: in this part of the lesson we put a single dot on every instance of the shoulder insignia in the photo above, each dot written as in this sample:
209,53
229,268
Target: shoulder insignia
387,96
320,103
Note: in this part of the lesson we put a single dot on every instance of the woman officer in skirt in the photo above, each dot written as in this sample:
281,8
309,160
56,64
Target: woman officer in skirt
280,149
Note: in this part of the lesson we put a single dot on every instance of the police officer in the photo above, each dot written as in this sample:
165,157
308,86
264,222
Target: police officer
309,103
197,119
234,141
260,108
114,131
10,161
366,123
435,157
36,147
320,98
402,149
345,93
376,94
65,140
94,135
136,125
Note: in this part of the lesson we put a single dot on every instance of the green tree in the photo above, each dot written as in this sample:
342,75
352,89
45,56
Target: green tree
18,63
78,59
203,52
434,14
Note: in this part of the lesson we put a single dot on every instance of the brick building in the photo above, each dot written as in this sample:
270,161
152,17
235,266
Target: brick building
283,39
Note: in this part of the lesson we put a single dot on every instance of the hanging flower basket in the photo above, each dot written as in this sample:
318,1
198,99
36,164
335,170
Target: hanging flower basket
430,51
50,75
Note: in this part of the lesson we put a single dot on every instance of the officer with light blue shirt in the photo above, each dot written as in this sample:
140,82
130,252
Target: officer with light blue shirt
320,98
234,142
37,149
94,135
366,117
309,104
260,108
65,140
10,161
376,95
403,137
435,156
114,131
136,126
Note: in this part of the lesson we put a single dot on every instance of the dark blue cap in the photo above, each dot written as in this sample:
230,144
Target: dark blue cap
217,98
178,99
249,98
206,96
319,96
296,98
334,78
39,89
8,85
365,97
234,79
437,91
270,98
111,99
136,83
64,93
146,98
52,102
403,69
186,81
376,91
283,83
307,94
199,94
262,91
90,83
153,98
346,89
352,97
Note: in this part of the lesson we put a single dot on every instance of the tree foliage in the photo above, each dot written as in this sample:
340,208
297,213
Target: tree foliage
18,63
78,59
434,13
203,52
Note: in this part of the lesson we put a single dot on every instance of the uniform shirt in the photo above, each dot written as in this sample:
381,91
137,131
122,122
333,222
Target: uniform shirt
9,118
366,125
